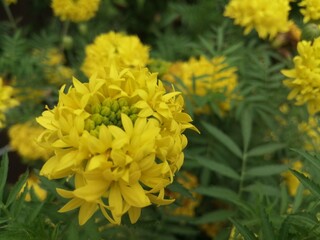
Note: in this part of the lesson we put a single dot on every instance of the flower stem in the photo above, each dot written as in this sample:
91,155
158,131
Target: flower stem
242,176
9,15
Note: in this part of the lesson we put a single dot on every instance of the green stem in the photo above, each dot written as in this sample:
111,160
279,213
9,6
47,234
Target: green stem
9,15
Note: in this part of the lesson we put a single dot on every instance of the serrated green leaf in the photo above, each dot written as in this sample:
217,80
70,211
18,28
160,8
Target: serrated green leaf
298,198
308,183
216,216
224,139
16,188
246,126
312,159
217,167
265,149
266,170
243,230
3,174
266,226
306,221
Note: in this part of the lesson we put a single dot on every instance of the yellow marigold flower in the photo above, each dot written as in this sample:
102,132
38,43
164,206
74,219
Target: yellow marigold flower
304,78
75,11
121,137
267,17
202,76
6,101
23,140
127,51
310,9
33,184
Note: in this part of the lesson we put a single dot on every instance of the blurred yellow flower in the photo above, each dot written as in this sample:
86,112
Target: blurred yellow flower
291,181
310,9
202,76
304,78
310,131
23,140
54,66
121,137
7,101
126,51
8,2
267,17
75,11
187,204
33,184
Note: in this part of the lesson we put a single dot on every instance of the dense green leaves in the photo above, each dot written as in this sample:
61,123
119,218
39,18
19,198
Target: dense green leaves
3,174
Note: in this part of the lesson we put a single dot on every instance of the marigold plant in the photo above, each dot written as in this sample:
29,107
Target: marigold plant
7,101
310,9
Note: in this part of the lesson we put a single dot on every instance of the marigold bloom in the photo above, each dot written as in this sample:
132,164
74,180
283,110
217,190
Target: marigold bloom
267,17
75,11
310,9
202,76
121,137
127,51
6,101
310,131
304,78
23,140
33,184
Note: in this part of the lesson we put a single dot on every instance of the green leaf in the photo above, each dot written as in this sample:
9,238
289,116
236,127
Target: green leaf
3,174
217,167
284,230
16,188
308,183
266,226
224,139
243,230
313,160
264,149
298,198
266,170
177,187
306,221
223,194
216,216
246,126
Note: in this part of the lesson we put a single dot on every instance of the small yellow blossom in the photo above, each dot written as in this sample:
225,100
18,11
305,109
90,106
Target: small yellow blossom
6,101
120,137
267,17
310,9
126,51
75,11
304,78
33,183
202,76
23,140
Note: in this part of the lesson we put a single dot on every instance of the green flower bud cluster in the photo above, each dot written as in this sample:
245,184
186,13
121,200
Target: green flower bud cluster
109,113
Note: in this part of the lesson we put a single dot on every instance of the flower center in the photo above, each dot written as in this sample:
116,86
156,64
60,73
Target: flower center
109,113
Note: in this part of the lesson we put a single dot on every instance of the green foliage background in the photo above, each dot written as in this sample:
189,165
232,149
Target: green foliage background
238,159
